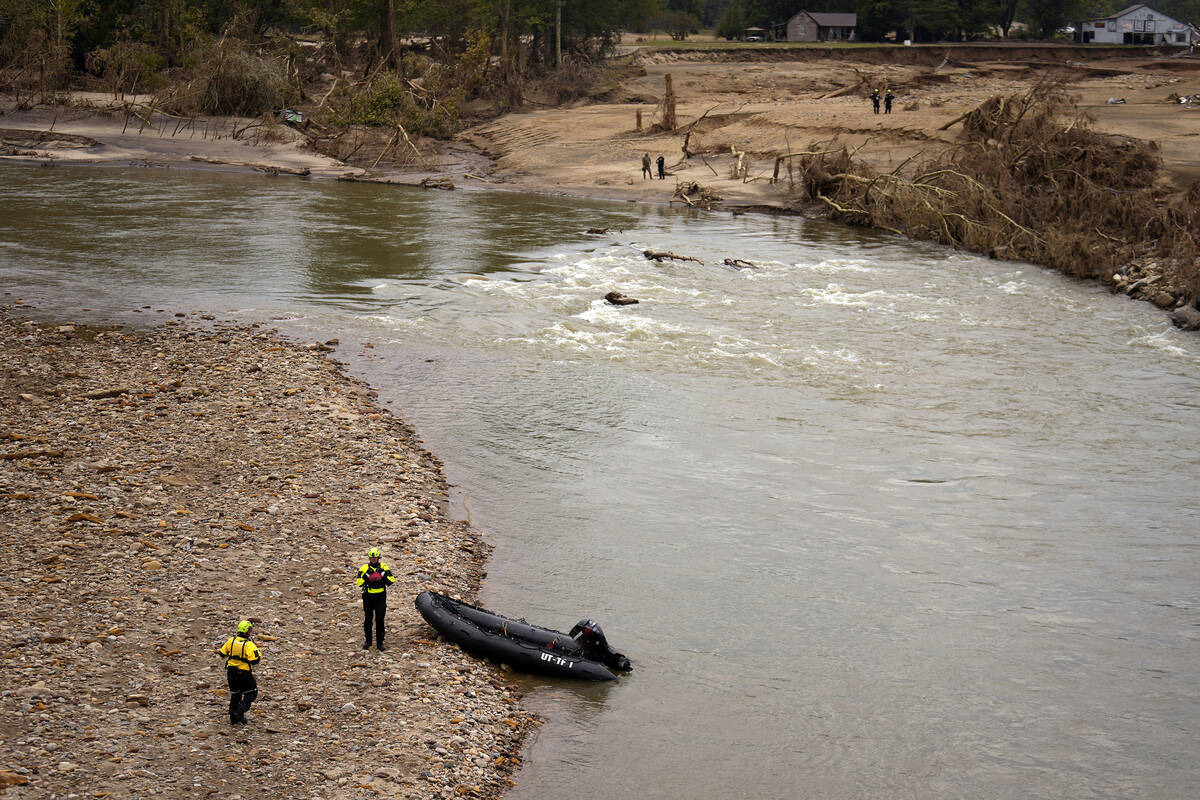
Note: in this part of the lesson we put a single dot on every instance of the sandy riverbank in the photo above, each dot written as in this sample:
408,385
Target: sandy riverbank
157,486
760,103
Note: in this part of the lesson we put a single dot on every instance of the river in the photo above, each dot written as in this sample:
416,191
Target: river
873,519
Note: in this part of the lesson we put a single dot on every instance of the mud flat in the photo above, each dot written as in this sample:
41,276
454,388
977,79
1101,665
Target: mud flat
158,485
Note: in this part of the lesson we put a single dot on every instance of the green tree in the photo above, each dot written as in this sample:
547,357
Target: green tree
934,20
1044,17
679,24
733,22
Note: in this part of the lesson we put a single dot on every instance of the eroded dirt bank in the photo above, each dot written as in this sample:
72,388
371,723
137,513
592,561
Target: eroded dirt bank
157,486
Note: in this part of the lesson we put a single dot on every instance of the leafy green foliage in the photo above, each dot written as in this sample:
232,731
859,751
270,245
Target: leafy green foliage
733,22
127,66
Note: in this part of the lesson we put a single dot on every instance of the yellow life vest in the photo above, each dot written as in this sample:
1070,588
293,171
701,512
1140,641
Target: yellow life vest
386,578
240,653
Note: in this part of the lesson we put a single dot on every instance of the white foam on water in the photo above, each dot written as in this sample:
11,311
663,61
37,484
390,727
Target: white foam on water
753,358
834,266
1166,342
1013,287
835,294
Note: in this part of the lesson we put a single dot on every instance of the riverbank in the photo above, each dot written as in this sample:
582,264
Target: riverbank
157,486
732,106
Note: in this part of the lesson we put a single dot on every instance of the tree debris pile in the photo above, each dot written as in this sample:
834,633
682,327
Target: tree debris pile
1028,180
696,196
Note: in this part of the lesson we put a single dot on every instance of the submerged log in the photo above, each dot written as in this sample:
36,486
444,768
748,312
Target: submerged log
618,299
656,256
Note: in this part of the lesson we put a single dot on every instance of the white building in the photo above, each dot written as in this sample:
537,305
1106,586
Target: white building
1138,24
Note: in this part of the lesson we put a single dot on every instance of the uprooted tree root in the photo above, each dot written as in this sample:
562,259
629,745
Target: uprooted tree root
1028,180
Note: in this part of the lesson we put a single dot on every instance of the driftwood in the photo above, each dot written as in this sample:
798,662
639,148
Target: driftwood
275,169
270,169
598,231
618,299
864,79
738,263
692,126
957,119
386,147
657,256
440,182
404,133
696,196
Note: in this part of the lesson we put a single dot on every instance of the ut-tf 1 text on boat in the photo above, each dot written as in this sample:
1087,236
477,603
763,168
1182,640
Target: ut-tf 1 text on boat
583,653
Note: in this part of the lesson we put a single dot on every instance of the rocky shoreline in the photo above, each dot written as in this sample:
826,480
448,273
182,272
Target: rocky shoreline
158,485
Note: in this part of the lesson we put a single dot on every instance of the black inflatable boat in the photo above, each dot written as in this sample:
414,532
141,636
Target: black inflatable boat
583,653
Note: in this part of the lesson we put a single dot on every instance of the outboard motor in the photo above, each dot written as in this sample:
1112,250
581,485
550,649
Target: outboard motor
590,637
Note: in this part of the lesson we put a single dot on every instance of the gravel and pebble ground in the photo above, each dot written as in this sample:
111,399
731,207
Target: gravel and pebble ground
156,486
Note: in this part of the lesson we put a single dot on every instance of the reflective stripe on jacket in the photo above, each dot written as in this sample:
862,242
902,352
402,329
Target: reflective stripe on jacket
378,585
240,652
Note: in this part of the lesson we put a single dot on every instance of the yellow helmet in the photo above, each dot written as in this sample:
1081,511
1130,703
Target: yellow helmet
374,553
244,626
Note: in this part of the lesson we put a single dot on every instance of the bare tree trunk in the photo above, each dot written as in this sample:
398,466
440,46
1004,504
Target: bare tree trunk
558,34
389,41
668,120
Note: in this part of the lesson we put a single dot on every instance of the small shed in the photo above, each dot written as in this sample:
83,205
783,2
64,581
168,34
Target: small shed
813,26
1138,24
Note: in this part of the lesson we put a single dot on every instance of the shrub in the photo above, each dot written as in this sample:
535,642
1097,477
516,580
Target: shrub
227,79
127,66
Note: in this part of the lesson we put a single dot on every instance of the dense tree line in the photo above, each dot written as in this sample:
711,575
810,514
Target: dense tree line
420,59
65,34
934,20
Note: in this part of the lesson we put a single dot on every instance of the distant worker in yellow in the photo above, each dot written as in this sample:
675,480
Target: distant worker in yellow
241,655
374,577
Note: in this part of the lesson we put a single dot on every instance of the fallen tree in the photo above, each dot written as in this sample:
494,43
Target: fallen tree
1028,180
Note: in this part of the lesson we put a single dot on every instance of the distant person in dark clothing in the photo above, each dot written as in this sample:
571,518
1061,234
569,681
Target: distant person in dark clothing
887,101
875,99
662,168
646,173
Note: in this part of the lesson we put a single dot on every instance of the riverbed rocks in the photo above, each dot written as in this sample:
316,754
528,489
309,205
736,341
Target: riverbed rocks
1146,280
156,486
1186,317
618,299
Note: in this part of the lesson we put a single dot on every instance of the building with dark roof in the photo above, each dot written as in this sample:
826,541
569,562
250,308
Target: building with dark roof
812,26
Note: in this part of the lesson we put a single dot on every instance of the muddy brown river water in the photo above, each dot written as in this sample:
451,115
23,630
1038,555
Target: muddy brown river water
873,519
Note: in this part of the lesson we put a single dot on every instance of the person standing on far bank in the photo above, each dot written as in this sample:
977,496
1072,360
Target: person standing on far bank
887,101
241,655
646,173
662,169
374,577
875,99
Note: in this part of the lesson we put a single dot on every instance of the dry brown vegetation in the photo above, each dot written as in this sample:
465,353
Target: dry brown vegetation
1027,180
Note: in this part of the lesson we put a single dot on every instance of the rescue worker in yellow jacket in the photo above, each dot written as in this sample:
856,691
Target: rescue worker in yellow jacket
374,577
241,655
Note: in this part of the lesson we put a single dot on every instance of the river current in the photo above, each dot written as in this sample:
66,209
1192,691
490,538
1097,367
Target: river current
873,519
